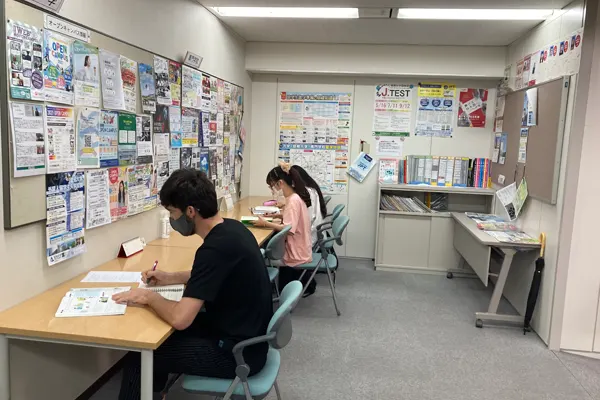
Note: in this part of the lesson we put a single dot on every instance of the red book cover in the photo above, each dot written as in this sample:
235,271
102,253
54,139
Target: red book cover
486,173
477,172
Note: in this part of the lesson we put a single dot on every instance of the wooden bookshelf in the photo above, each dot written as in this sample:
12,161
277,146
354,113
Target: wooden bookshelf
414,241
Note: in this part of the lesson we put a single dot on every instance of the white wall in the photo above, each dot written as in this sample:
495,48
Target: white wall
539,216
165,27
376,60
361,200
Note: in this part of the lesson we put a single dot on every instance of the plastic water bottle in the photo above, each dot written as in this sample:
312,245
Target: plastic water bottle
165,225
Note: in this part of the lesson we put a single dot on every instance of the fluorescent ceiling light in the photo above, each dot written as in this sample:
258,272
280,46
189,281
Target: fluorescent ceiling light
287,12
474,14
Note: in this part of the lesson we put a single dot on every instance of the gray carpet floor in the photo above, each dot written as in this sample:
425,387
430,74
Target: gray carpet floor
407,336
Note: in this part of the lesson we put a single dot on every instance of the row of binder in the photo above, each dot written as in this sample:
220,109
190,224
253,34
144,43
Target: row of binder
445,171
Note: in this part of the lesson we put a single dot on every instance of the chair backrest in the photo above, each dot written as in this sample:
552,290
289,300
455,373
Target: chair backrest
326,199
337,211
275,249
281,322
339,225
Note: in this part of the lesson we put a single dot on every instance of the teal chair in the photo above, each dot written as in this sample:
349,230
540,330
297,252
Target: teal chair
326,199
324,228
326,261
275,251
257,387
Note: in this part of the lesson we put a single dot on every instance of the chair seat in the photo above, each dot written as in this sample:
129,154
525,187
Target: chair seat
260,384
273,273
316,257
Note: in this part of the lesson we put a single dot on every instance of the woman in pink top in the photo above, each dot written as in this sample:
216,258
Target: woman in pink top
298,248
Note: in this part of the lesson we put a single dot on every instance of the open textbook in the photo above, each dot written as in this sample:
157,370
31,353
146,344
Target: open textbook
91,302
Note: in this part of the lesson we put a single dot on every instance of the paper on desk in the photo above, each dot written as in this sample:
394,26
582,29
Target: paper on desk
507,195
112,277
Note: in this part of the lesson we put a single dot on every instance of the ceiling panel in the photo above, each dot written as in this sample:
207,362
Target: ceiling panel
547,4
380,31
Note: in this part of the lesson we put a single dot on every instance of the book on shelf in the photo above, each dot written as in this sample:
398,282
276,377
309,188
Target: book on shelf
445,171
391,202
388,170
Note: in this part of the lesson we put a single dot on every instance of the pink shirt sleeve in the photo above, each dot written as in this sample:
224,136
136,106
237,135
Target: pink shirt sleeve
292,213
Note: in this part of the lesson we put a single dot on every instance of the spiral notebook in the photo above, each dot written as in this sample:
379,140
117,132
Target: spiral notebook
170,292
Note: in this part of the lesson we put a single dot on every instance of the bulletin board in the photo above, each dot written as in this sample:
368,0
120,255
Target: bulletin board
544,144
24,197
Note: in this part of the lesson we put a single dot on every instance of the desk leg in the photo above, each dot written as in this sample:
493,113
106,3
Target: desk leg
147,374
4,369
492,313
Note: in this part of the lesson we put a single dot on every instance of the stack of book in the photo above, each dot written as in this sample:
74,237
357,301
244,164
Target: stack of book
445,171
406,204
500,229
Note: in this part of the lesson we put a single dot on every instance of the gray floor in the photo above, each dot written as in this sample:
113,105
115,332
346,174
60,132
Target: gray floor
410,336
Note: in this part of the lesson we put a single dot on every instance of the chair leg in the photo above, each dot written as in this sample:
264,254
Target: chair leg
311,277
337,310
277,391
247,390
276,282
232,387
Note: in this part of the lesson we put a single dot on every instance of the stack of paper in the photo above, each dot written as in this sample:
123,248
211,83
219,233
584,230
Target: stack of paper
262,210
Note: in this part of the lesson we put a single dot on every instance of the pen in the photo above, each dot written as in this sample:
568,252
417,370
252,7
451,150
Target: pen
153,269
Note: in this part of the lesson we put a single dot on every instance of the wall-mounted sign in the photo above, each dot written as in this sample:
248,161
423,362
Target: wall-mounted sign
193,60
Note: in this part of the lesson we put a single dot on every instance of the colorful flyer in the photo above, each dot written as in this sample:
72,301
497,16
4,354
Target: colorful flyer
191,87
161,169
140,188
161,119
190,121
205,100
65,216
393,110
161,77
24,46
109,138
29,147
472,108
388,170
127,135
175,125
435,116
88,138
87,74
117,179
58,68
97,198
129,77
147,88
143,139
175,82
112,82
60,139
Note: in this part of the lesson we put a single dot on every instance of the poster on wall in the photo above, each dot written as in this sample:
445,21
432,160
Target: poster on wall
519,76
148,90
24,46
97,198
127,136
530,104
190,121
87,74
393,110
175,125
109,142
175,82
161,77
140,188
472,108
174,159
526,70
29,147
112,82
88,138
117,179
60,139
191,87
129,78
144,139
388,146
205,100
314,131
65,216
58,68
435,116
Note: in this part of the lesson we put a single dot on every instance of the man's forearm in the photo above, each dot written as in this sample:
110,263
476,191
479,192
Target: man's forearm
164,308
180,277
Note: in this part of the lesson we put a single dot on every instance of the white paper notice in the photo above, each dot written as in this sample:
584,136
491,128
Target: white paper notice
112,83
60,137
29,155
113,277
389,146
507,196
97,198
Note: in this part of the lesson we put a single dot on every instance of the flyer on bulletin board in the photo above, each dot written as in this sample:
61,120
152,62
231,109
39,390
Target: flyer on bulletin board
472,108
97,198
65,216
161,76
435,116
87,74
24,46
393,110
58,68
88,143
109,142
29,147
60,137
148,89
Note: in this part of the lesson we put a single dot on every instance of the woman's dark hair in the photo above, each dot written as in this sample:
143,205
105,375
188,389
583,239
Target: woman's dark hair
293,179
310,182
189,187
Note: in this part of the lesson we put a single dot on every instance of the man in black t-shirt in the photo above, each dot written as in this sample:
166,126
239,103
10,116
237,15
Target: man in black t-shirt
228,278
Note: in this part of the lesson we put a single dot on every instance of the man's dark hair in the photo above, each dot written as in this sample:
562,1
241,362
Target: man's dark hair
189,187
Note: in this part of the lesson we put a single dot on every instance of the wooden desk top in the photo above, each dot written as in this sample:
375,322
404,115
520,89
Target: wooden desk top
139,328
240,209
486,239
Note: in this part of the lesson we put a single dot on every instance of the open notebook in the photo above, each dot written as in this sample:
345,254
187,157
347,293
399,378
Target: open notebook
170,292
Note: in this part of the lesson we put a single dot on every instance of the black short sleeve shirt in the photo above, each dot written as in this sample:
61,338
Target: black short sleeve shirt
229,274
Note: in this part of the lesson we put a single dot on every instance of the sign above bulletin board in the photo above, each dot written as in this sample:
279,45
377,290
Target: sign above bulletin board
122,114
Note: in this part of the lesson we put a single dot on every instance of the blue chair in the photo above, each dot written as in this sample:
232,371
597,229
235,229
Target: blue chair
324,228
257,387
275,251
326,199
326,261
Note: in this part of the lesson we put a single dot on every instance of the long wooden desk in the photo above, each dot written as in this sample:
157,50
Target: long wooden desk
240,209
139,329
475,247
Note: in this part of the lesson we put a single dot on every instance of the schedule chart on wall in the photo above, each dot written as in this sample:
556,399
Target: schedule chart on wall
314,131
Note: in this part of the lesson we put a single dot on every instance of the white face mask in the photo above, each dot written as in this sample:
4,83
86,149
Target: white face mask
277,193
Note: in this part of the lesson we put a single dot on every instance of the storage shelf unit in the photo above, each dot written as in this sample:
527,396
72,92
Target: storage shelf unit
424,241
